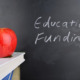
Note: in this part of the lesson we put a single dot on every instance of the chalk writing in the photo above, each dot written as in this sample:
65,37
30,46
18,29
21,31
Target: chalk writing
49,23
66,38
69,36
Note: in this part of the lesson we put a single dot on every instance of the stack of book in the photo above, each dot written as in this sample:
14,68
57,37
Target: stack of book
8,65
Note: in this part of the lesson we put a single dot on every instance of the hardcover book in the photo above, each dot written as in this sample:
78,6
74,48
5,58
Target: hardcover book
8,77
7,65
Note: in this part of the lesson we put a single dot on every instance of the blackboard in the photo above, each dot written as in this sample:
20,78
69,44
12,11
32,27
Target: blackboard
49,32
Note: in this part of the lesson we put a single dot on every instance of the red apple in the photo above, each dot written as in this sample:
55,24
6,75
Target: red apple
8,42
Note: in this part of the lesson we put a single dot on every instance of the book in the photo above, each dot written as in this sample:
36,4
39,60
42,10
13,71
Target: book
9,76
7,65
16,74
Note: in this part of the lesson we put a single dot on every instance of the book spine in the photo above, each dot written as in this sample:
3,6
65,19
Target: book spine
8,77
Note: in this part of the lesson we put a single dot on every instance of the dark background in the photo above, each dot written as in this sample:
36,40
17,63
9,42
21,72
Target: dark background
44,61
